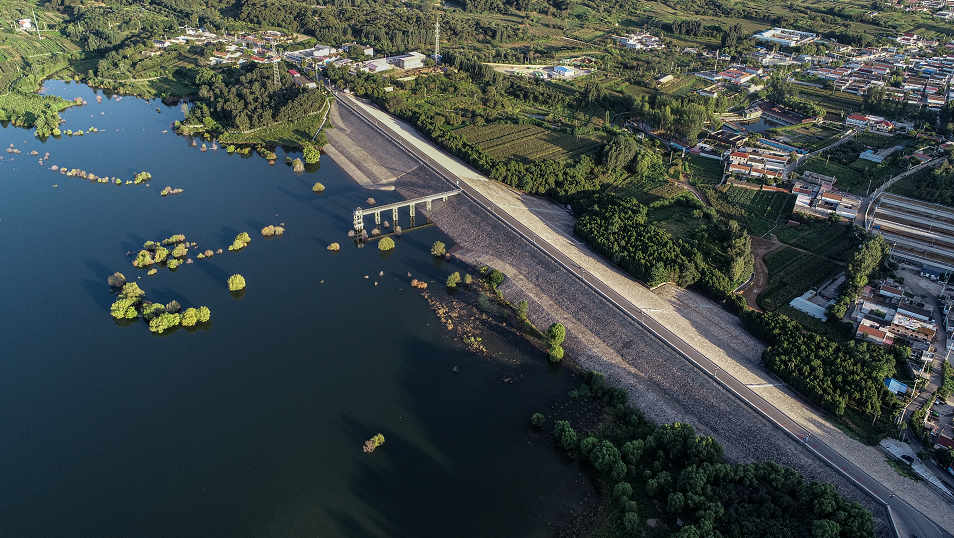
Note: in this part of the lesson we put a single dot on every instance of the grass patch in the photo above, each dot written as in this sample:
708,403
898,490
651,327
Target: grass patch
529,143
290,135
903,469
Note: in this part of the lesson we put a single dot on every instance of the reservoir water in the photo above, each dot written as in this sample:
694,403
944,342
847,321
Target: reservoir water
253,426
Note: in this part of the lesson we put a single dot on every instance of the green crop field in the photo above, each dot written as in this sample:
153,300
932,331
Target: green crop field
791,273
528,142
757,210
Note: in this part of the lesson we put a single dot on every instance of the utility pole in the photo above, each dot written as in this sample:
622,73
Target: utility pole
437,40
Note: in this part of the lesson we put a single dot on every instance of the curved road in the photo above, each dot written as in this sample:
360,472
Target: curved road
907,520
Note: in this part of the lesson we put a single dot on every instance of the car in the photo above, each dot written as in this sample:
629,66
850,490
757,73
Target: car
907,458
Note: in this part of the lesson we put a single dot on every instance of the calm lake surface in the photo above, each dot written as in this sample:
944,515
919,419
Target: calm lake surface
253,427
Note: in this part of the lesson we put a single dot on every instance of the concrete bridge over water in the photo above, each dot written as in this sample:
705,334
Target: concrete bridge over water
393,208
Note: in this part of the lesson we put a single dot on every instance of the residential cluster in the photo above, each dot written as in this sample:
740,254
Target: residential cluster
815,195
885,312
640,41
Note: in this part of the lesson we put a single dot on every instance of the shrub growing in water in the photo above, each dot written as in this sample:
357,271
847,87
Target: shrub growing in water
142,177
241,241
386,244
189,317
298,166
439,249
143,259
180,251
311,153
160,255
204,314
334,247
373,443
163,322
116,280
538,420
272,230
173,263
236,282
453,280
318,187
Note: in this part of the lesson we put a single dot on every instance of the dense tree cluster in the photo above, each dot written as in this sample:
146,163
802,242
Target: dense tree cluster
130,305
936,186
835,376
861,264
686,477
247,98
617,228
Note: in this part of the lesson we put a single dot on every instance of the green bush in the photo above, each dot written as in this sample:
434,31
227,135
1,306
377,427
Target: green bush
236,282
386,243
538,420
439,249
453,280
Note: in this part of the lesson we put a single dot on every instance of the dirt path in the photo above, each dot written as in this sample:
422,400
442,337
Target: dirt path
685,183
760,247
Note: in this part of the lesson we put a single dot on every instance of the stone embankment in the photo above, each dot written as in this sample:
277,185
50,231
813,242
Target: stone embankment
660,382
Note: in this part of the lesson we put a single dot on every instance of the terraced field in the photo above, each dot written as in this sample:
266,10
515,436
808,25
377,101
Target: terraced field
529,142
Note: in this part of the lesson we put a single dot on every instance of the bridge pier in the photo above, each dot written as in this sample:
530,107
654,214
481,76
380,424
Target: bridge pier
411,205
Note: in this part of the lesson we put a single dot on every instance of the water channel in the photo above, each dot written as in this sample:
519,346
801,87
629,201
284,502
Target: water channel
254,425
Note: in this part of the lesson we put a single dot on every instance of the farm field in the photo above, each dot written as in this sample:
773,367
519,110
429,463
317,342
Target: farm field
821,238
851,177
703,170
528,143
791,273
838,102
758,210
810,136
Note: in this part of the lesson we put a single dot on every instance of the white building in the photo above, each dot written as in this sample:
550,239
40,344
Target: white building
783,36
412,60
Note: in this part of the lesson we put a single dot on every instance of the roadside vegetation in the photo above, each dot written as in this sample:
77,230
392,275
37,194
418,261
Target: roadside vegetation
667,474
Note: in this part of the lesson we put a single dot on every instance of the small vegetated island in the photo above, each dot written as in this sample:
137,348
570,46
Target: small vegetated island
130,305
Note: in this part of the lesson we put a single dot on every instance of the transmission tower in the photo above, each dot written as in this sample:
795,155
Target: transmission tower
275,74
437,40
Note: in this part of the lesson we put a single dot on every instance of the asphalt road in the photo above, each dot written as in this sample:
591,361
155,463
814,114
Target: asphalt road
907,520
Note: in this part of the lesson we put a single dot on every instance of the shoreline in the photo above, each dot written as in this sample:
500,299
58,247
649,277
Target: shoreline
596,333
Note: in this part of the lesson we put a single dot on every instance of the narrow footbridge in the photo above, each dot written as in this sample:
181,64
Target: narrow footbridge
393,208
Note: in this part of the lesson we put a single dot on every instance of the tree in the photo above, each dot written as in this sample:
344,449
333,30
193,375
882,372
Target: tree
453,280
311,153
555,334
556,354
565,435
385,244
439,249
204,314
494,278
538,420
825,528
189,317
236,282
116,280
522,310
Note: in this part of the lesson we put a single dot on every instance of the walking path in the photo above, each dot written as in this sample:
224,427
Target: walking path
706,332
